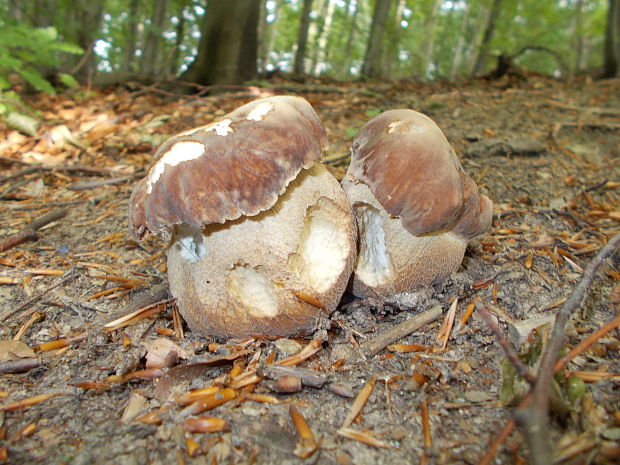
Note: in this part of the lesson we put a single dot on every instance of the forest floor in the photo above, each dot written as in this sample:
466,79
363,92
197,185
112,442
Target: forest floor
73,392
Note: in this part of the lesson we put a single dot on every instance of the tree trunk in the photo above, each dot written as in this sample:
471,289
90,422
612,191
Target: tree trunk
611,65
17,11
43,12
348,59
426,54
178,42
321,56
302,37
489,30
228,46
578,44
81,26
316,30
393,34
131,37
153,42
373,59
460,42
268,39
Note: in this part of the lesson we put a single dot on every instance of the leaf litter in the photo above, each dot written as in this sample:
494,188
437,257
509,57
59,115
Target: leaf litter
102,386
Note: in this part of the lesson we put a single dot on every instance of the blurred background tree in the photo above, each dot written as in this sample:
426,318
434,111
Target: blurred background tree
218,42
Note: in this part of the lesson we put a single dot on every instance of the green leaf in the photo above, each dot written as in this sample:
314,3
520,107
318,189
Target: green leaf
9,62
4,83
373,112
68,80
575,389
351,131
37,81
507,395
66,47
23,123
46,34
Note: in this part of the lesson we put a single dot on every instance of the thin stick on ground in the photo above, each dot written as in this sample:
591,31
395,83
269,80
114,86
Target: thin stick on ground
153,295
510,425
66,277
535,418
29,232
505,345
377,344
587,342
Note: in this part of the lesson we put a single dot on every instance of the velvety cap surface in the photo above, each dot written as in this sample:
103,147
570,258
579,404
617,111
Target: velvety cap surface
237,166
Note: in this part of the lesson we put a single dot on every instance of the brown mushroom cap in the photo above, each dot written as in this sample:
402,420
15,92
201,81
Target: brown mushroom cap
237,166
412,170
415,206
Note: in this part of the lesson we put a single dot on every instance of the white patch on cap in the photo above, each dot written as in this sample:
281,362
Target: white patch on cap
221,128
259,111
178,153
392,126
408,129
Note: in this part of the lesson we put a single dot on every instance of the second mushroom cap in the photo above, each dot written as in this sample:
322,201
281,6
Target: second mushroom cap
415,206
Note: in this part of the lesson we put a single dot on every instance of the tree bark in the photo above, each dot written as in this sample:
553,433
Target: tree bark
373,60
268,36
302,37
489,30
457,53
611,65
578,38
349,46
316,30
393,35
228,48
43,12
154,40
81,26
321,56
178,42
17,12
131,37
428,43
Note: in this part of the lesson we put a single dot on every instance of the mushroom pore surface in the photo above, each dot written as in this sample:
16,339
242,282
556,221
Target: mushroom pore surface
272,273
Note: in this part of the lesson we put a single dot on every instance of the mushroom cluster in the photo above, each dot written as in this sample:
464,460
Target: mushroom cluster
415,206
262,236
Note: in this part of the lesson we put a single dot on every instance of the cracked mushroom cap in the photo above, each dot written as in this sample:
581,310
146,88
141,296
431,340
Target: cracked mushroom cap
263,237
415,206
237,166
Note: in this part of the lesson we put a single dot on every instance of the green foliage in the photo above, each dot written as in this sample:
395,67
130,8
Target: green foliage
68,80
566,392
570,29
26,50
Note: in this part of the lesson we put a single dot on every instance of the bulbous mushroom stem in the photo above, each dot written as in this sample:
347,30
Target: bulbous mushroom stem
272,273
390,259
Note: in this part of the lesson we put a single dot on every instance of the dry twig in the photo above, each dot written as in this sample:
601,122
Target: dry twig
29,233
19,366
68,275
377,344
510,353
535,417
509,427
